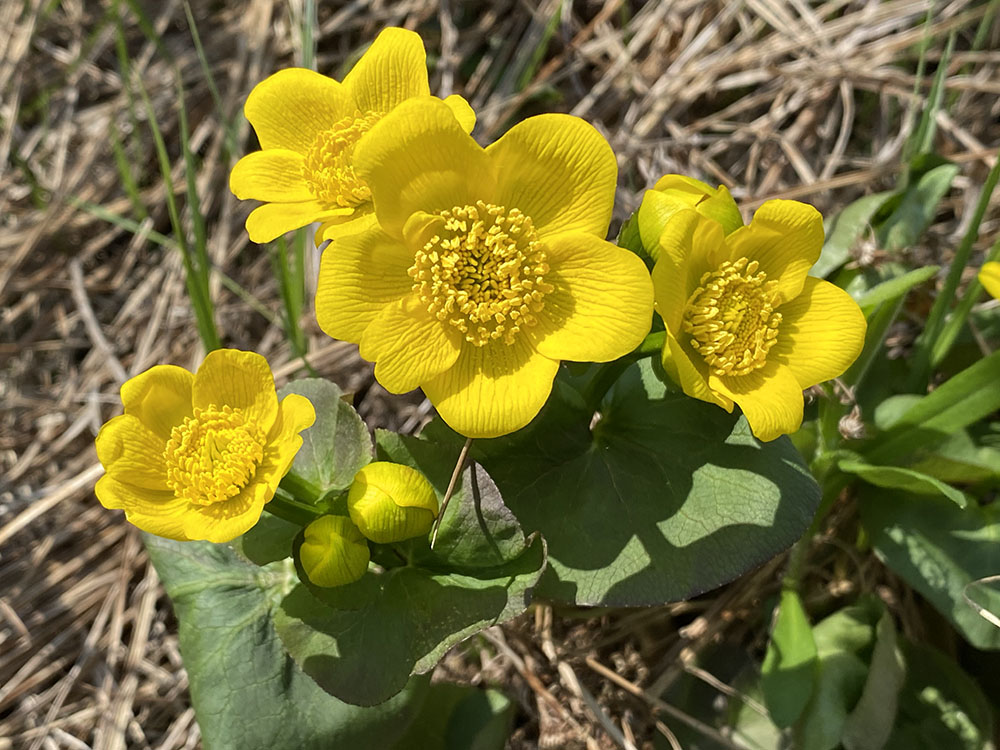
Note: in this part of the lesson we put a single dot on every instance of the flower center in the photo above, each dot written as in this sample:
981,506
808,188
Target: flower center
484,273
731,318
328,167
211,456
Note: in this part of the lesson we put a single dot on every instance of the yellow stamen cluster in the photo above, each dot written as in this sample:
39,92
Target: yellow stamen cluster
484,272
212,455
328,167
731,318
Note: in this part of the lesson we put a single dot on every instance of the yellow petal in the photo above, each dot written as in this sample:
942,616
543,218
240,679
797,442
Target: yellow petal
132,452
602,304
358,276
222,522
771,399
691,373
160,398
494,389
558,170
295,414
463,112
272,175
242,380
822,332
157,511
785,237
391,502
290,108
393,69
989,277
336,227
689,246
419,158
408,345
333,552
270,221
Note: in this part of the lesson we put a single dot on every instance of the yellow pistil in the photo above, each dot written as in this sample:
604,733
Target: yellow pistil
484,273
212,455
328,164
731,318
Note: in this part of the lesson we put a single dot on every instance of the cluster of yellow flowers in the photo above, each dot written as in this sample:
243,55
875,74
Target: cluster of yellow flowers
471,273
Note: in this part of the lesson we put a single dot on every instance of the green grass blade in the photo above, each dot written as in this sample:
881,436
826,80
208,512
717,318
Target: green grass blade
934,343
228,124
960,401
922,140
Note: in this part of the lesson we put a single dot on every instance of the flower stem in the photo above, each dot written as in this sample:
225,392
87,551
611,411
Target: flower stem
286,507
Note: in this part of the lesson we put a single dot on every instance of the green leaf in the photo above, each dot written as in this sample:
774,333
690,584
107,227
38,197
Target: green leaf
957,459
960,401
841,642
917,208
630,239
477,530
893,289
408,620
246,691
456,717
843,232
870,722
940,706
665,497
337,444
788,675
960,460
896,477
268,541
939,550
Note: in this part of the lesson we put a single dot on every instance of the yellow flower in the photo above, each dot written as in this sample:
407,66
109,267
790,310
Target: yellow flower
486,267
745,324
197,456
391,502
989,277
673,193
308,126
333,552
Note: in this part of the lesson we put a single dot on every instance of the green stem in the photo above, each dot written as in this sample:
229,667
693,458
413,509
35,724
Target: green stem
300,489
286,507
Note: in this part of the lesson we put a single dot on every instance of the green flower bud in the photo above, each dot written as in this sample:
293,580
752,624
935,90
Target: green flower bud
673,193
334,552
391,502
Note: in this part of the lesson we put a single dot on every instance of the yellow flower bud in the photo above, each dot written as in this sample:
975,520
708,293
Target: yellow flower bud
334,552
391,502
673,193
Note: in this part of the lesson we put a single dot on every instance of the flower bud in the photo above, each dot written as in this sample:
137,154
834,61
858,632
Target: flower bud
334,552
391,502
673,193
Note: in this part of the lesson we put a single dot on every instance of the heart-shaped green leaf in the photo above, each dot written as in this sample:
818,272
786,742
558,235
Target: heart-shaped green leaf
655,498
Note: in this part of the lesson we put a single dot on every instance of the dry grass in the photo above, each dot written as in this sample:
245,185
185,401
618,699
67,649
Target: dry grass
772,97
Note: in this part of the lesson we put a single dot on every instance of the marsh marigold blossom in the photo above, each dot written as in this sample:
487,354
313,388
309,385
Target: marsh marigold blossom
989,277
486,266
308,125
198,456
745,324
